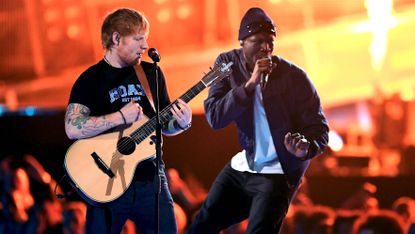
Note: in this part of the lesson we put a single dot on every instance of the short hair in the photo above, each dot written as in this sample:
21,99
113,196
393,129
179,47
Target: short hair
405,207
124,21
379,222
313,219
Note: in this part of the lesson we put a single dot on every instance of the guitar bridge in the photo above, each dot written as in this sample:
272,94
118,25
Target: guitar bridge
102,166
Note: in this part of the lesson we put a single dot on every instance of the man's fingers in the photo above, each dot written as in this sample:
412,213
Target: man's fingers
295,134
287,138
302,144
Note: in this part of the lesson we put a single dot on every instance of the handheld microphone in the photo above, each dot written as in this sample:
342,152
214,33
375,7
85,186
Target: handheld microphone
264,79
154,55
264,76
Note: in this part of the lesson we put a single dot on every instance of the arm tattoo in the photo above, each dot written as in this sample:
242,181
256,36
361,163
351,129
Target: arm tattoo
77,115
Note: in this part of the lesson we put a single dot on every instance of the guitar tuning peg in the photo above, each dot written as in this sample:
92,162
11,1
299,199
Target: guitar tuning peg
210,68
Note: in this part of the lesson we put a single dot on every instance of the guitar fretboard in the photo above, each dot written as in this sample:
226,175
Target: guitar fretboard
165,115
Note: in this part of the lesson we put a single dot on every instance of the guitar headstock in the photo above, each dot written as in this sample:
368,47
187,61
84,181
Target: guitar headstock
217,73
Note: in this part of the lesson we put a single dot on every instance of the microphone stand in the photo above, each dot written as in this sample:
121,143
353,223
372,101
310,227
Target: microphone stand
158,140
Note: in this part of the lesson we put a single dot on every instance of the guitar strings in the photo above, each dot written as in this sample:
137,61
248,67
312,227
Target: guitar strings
165,115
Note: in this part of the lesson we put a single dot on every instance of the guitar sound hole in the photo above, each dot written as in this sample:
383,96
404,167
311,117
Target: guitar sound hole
126,145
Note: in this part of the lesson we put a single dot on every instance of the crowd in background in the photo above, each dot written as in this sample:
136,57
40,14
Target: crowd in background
28,205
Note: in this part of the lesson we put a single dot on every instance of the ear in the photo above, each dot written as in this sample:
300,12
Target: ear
241,42
116,38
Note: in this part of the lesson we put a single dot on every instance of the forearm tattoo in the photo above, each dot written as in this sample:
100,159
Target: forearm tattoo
77,116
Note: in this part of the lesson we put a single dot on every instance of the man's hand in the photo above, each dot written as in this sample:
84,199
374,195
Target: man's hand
262,66
296,144
182,113
132,112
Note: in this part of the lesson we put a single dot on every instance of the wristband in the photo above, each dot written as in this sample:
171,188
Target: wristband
123,118
185,128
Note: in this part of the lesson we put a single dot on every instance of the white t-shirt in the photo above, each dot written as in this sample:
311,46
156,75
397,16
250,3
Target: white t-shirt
266,157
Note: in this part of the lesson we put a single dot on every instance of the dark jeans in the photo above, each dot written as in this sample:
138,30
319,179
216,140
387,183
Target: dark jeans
235,196
137,204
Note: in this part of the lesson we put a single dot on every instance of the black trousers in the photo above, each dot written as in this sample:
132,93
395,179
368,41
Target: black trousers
235,196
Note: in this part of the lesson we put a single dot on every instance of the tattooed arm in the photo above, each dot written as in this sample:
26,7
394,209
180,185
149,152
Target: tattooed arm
79,124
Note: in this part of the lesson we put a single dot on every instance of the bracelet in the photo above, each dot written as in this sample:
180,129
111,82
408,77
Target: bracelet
123,118
186,127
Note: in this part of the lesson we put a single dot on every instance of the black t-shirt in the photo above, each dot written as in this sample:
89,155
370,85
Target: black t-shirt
105,89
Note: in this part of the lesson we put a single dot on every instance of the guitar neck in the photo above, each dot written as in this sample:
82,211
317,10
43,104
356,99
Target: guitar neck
165,115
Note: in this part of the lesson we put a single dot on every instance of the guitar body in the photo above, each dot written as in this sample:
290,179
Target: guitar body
91,182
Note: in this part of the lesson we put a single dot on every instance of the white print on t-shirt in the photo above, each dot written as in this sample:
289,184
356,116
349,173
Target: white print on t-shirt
129,99
126,92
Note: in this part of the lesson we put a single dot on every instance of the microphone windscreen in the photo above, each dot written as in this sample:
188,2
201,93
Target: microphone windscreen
154,55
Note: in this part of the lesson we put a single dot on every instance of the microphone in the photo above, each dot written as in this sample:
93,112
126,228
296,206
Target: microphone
264,76
154,55
264,79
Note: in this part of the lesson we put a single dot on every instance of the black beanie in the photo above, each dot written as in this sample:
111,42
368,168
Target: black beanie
255,20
